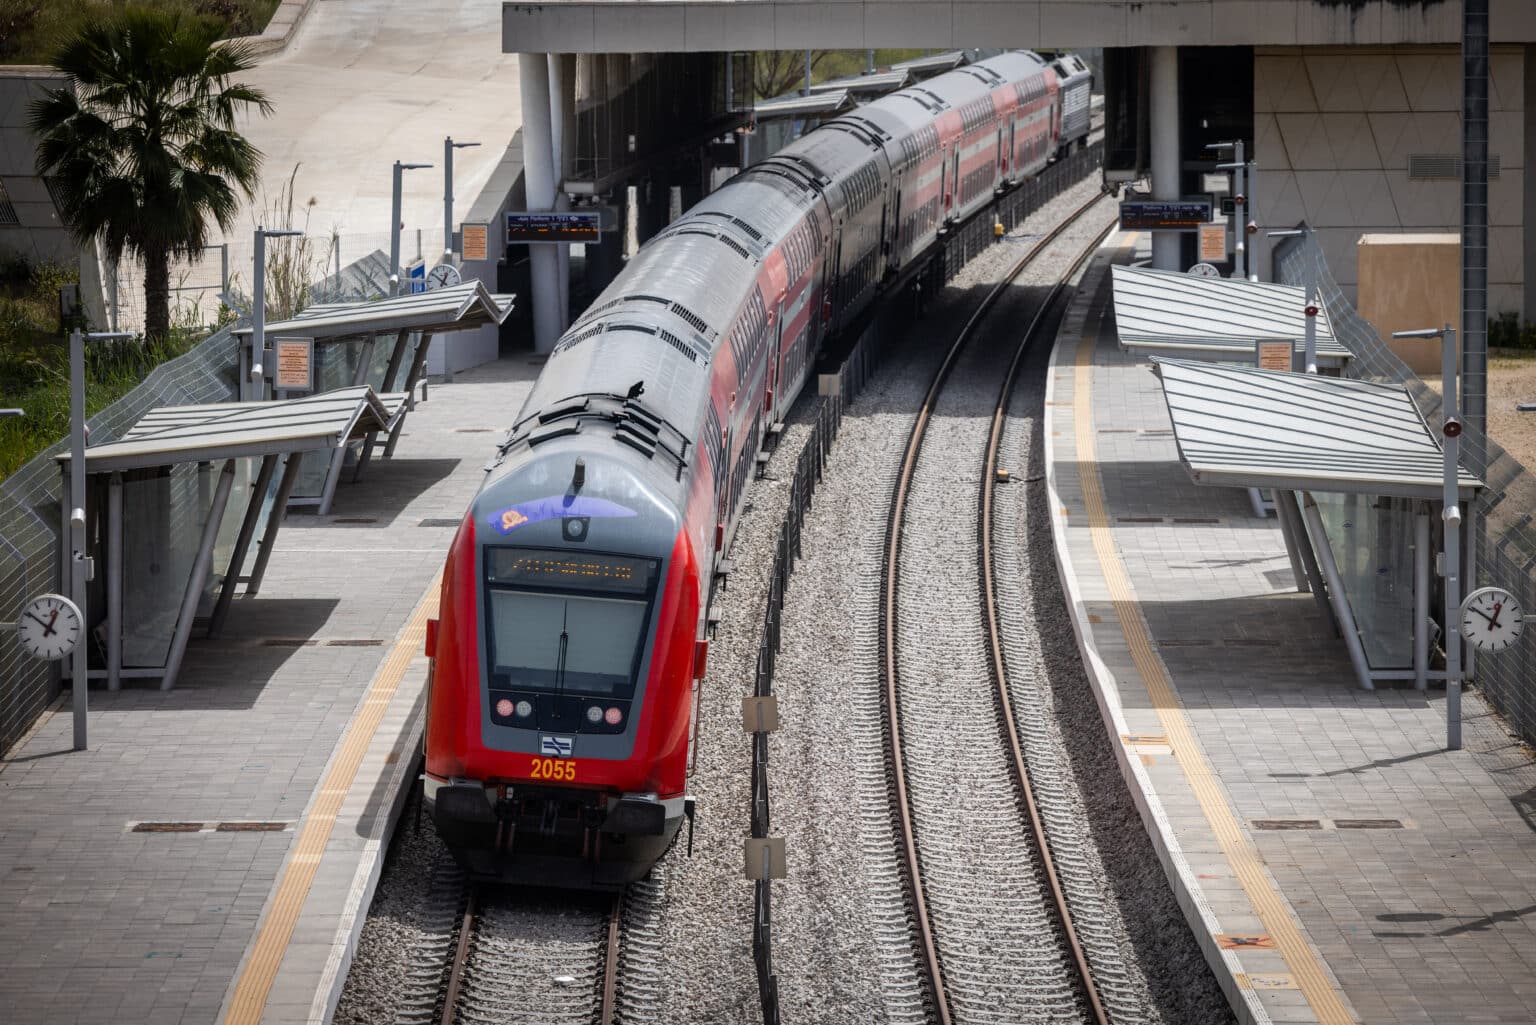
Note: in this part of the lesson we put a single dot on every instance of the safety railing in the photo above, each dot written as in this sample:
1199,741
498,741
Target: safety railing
852,375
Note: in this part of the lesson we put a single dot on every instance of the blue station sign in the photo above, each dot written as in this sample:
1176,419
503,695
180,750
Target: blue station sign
1164,215
554,226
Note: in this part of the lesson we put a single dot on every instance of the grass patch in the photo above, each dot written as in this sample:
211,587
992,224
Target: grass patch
30,30
34,363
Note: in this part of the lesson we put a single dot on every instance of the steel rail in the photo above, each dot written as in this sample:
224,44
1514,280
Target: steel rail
995,641
460,960
460,957
932,968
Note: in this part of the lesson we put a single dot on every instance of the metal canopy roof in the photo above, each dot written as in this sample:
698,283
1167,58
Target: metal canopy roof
1164,311
1245,427
459,308
794,105
935,62
875,82
226,430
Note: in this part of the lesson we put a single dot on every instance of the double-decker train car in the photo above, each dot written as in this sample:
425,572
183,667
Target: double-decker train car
570,647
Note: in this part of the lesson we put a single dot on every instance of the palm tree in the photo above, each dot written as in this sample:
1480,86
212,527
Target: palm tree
143,151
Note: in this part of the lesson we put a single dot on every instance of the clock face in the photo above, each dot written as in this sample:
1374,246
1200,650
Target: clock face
1492,618
49,627
444,275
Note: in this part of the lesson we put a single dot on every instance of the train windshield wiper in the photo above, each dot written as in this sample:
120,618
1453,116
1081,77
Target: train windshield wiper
565,643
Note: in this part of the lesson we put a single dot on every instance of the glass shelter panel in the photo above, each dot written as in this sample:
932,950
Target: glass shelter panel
1371,538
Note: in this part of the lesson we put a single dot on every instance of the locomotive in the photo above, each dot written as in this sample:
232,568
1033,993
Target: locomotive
570,648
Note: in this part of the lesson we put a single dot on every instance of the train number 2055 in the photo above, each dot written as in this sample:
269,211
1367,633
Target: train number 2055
554,768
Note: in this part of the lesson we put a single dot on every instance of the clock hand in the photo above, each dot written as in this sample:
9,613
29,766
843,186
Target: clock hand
1493,623
51,621
37,619
1480,612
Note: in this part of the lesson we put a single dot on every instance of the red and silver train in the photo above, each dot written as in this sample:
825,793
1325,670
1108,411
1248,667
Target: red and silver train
570,648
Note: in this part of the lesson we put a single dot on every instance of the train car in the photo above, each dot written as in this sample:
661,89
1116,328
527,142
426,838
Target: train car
570,646
1076,84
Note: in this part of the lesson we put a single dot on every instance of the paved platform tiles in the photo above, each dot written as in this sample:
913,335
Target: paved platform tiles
102,924
1410,870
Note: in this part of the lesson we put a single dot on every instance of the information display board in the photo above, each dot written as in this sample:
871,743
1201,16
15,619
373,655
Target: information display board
1213,242
295,364
476,240
1164,215
554,226
1273,354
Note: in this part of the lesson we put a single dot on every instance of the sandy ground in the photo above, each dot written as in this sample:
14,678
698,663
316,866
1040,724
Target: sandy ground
1511,380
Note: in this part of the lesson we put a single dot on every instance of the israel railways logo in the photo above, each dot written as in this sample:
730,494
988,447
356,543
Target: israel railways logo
560,747
555,507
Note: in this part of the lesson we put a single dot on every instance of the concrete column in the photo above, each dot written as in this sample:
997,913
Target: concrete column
539,178
1165,148
1528,220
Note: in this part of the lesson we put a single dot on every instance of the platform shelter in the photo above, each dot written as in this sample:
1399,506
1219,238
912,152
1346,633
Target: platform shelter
1358,482
164,550
381,343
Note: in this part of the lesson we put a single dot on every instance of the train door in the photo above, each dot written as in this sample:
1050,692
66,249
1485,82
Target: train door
955,176
1013,143
723,485
944,181
775,358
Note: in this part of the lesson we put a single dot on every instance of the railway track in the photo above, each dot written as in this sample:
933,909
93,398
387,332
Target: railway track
523,959
988,900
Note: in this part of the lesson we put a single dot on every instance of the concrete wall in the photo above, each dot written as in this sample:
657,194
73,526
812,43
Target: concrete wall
41,235
1334,129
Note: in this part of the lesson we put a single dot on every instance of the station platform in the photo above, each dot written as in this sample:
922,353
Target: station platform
1337,863
210,857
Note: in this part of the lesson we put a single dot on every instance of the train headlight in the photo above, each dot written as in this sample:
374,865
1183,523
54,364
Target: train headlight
524,709
504,708
613,715
594,714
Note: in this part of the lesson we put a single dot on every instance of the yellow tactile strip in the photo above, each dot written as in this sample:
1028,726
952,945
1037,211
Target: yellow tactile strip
1281,930
249,1000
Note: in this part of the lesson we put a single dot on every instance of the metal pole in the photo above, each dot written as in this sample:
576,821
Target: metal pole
447,197
1240,211
1311,314
80,664
115,582
223,271
258,313
394,231
199,573
807,90
1251,258
1451,511
1474,220
1421,598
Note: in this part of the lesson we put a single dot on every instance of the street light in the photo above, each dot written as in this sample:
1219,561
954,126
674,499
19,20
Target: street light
394,224
1311,310
259,310
1238,167
448,147
80,663
1451,512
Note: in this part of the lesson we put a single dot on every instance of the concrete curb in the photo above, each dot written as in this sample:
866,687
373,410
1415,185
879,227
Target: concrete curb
280,30
1106,688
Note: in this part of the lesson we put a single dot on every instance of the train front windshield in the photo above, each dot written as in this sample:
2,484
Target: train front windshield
567,623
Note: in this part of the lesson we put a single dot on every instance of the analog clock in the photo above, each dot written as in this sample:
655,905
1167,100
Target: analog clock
49,627
1492,618
444,275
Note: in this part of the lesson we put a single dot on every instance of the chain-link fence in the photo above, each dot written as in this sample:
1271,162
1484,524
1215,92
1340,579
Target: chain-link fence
30,517
1501,532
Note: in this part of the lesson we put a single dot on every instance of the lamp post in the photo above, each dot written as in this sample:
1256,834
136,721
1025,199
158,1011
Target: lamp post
394,224
78,564
1451,512
252,389
1311,309
448,147
1238,167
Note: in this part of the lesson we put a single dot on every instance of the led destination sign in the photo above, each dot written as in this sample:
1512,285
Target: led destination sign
553,226
1164,215
538,568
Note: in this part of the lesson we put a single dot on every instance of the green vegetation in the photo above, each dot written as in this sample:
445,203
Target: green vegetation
1507,332
776,72
143,152
32,30
34,362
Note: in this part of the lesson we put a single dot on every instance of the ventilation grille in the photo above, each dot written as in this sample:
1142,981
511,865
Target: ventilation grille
8,216
694,320
1443,167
